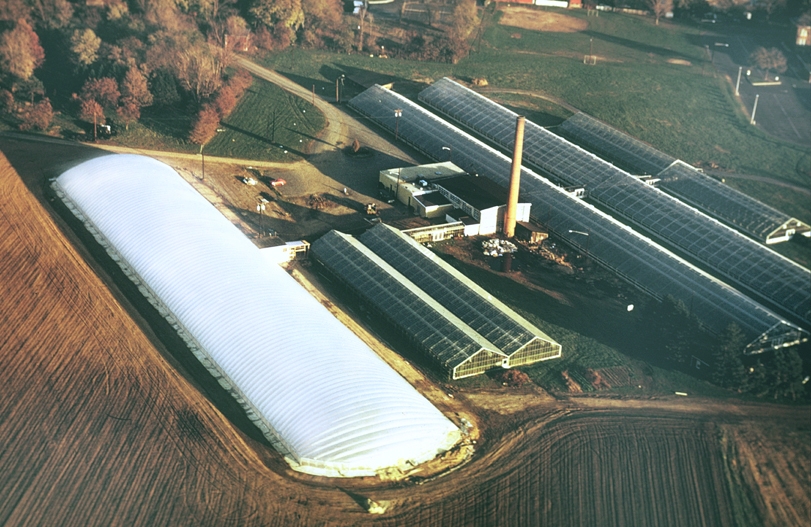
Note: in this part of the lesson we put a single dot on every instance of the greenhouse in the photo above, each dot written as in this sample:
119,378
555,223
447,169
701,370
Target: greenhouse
720,250
637,259
685,182
320,395
516,337
452,345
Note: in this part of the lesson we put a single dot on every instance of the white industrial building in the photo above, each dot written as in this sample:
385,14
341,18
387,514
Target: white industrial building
443,190
318,393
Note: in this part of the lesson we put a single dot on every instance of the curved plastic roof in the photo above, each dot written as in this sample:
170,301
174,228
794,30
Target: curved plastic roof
336,407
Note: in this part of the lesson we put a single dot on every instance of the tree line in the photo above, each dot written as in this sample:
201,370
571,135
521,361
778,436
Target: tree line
108,60
681,341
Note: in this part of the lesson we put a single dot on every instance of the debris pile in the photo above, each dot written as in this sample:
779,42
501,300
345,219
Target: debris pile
316,201
496,247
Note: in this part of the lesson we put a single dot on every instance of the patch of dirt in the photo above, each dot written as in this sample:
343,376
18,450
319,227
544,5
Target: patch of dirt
780,483
508,401
680,62
536,20
571,384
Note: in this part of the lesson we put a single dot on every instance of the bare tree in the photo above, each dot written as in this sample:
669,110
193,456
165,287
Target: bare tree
465,19
771,59
660,8
198,71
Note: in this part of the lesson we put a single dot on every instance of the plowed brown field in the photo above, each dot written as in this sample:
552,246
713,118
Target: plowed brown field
102,423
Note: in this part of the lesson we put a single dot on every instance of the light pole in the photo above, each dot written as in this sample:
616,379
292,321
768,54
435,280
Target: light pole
738,83
203,161
588,239
450,152
260,209
754,109
337,91
397,114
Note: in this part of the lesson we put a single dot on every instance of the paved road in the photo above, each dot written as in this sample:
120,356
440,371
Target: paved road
783,111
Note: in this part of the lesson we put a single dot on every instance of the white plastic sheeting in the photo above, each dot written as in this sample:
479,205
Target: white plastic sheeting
319,394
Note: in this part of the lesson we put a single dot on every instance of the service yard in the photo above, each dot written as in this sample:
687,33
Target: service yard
112,422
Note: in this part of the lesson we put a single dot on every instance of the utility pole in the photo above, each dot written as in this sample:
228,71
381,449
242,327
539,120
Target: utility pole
260,209
337,89
203,156
203,161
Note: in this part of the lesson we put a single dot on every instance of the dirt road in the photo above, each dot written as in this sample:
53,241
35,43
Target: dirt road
326,160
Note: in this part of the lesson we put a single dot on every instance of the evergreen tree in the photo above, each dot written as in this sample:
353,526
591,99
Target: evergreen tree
729,369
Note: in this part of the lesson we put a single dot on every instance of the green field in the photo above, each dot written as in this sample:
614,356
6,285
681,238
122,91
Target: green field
268,122
248,133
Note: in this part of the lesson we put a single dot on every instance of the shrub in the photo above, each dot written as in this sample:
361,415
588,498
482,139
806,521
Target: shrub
37,116
226,101
205,125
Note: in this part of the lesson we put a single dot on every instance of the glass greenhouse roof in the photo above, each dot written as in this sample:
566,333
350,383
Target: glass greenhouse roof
434,329
475,307
681,180
626,252
721,250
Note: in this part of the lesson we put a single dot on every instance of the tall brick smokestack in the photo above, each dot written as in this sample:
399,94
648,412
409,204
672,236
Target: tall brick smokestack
515,179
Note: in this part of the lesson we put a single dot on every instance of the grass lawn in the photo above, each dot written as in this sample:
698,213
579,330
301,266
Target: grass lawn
267,122
249,132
